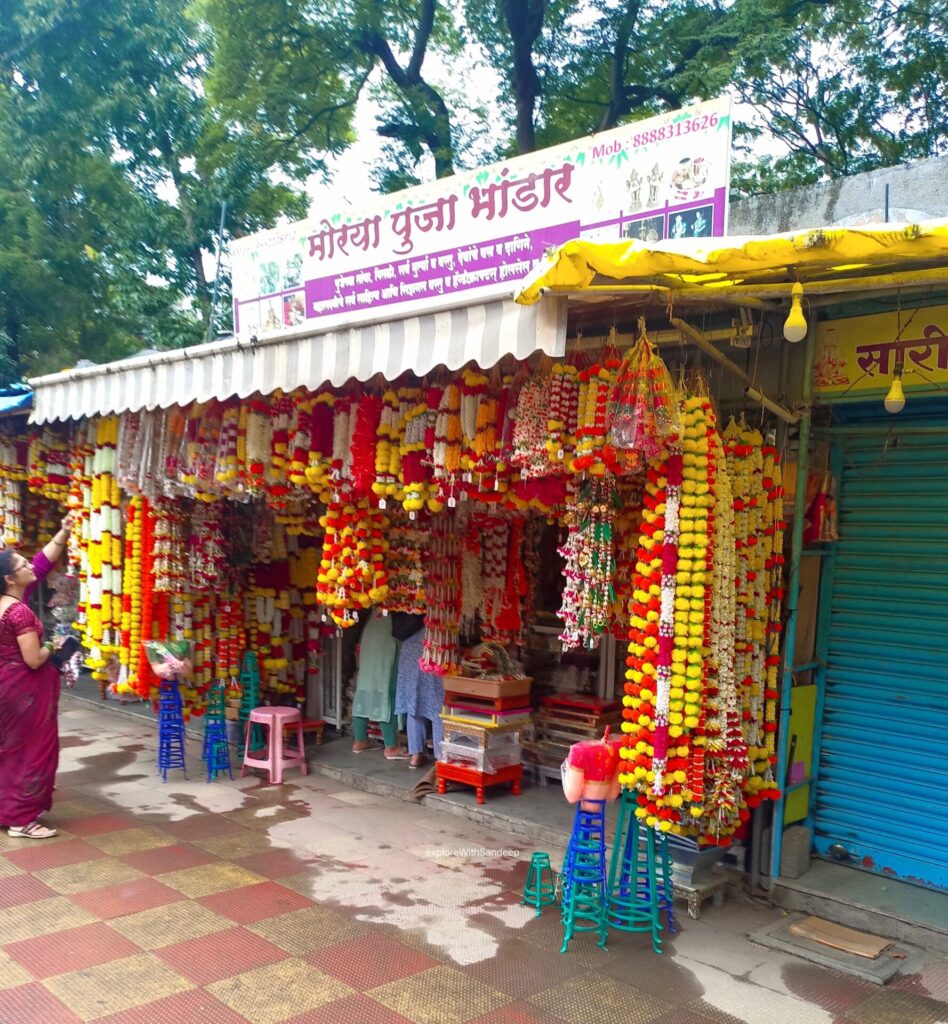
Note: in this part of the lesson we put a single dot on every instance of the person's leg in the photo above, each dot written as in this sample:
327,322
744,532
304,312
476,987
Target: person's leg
390,728
437,736
416,734
360,734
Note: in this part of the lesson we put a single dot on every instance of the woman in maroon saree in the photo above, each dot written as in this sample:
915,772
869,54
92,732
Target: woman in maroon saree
29,697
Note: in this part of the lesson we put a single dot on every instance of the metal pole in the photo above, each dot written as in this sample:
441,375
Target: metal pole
217,273
793,601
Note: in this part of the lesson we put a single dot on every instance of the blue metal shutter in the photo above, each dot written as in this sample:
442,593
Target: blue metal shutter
882,791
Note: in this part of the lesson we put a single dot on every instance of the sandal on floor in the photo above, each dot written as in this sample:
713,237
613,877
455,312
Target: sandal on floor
417,760
402,755
35,830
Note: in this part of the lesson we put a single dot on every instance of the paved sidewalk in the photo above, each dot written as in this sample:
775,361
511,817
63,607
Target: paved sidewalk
311,903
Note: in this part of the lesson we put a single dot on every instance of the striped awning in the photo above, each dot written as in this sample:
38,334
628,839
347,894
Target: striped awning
480,333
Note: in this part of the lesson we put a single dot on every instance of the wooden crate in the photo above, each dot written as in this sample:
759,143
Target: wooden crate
488,687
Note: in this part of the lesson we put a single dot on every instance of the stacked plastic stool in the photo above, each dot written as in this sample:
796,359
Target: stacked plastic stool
216,752
272,757
249,698
170,730
539,891
584,874
640,885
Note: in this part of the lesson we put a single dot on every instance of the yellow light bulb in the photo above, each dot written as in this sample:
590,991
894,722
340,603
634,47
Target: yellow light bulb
794,327
895,398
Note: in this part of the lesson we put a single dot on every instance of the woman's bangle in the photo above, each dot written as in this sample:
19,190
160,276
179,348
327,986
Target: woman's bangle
49,645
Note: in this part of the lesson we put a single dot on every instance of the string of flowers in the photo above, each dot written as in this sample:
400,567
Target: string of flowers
442,576
352,573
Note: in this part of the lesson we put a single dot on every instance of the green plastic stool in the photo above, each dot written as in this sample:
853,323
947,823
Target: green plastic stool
635,897
539,890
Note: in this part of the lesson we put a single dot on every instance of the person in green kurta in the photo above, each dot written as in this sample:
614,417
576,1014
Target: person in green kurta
375,688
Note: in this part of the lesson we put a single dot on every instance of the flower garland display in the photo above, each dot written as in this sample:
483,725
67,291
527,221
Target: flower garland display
352,573
562,416
644,414
443,593
408,550
387,460
446,452
594,453
13,461
368,413
588,553
49,454
415,473
530,432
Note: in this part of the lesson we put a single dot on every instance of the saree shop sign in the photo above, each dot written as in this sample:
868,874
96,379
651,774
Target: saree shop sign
480,232
857,356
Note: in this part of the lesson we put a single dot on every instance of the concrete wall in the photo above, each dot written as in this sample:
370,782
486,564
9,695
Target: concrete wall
917,191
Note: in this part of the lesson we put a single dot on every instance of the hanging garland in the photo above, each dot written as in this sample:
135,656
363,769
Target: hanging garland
352,574
443,618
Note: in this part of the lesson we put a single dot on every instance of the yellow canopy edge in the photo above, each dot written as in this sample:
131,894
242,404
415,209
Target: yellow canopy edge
720,263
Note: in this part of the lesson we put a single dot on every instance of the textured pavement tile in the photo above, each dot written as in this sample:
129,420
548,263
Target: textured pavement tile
220,955
22,888
132,897
275,864
306,930
209,879
265,815
191,1007
71,950
34,1004
239,844
95,874
371,961
269,995
8,869
53,854
92,825
132,840
168,858
593,996
438,995
201,826
11,973
351,1009
42,918
931,980
517,1013
520,970
119,985
255,902
176,922
893,1007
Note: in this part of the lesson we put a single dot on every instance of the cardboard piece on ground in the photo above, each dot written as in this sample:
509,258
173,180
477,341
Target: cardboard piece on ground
848,939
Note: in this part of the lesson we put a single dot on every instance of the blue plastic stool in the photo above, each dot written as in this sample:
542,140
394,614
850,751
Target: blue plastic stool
171,754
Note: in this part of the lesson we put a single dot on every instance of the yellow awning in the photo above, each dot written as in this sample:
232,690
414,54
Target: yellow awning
825,260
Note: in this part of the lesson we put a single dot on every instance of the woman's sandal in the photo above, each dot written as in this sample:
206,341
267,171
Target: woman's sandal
35,830
402,755
417,760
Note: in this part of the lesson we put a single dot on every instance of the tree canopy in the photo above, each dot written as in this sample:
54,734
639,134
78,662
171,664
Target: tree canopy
126,124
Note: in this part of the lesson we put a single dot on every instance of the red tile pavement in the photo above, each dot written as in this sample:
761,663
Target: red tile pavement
274,863
19,889
202,826
93,826
221,955
33,1004
127,898
193,1007
931,980
167,858
71,950
52,855
364,965
357,1009
252,903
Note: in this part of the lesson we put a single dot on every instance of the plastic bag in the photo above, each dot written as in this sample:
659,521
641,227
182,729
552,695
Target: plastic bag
170,659
645,405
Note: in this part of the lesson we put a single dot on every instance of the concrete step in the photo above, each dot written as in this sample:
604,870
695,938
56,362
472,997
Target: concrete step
870,903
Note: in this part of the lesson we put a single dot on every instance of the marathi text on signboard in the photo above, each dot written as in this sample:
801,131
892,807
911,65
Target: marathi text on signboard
482,230
856,357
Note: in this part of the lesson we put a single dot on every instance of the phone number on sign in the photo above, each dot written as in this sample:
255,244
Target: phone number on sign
671,131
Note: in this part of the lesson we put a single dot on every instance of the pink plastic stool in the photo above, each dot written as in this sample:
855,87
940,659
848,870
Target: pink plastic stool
274,760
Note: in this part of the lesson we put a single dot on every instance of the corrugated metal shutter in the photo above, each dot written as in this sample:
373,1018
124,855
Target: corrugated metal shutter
882,793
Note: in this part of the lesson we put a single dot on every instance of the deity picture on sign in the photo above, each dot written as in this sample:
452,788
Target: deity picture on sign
647,229
654,185
634,186
294,312
829,370
689,179
293,277
269,277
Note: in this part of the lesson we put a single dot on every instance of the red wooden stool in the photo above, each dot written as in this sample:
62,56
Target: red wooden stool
316,725
479,780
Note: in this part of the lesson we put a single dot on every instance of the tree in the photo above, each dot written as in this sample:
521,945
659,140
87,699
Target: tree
116,166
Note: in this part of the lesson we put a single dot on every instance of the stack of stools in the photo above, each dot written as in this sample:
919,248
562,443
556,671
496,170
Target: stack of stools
170,730
250,699
640,882
216,753
584,874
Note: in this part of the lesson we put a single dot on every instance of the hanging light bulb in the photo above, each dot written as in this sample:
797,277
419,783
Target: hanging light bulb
895,399
794,327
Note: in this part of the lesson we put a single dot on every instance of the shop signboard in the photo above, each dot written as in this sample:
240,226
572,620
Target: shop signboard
856,356
479,232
